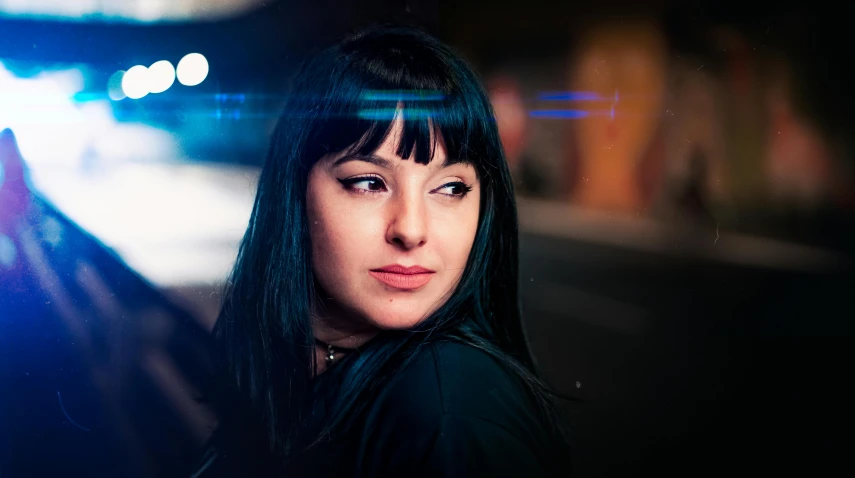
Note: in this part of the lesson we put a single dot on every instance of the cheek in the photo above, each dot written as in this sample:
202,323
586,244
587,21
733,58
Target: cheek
322,235
454,238
339,237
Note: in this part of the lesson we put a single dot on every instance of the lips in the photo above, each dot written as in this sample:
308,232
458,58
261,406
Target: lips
404,278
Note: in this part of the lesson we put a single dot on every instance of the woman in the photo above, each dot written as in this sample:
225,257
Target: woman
371,326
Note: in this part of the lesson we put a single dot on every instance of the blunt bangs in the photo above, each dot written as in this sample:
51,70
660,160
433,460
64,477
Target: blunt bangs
363,99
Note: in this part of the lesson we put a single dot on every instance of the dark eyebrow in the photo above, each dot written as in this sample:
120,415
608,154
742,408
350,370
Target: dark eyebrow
376,160
370,158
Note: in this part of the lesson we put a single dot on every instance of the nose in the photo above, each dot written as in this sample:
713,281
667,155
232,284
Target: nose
408,222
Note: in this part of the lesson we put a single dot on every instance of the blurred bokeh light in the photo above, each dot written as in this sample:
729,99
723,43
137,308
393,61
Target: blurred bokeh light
192,69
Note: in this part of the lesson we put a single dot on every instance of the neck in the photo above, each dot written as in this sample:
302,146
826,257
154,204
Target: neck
343,336
338,327
341,332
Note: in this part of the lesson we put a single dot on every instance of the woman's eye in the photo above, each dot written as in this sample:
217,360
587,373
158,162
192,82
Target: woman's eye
456,188
364,184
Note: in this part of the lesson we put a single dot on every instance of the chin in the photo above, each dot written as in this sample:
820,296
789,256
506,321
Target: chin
397,317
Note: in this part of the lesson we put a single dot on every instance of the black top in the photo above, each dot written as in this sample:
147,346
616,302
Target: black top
454,411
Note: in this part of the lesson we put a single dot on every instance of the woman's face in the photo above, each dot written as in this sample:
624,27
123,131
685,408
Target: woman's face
368,215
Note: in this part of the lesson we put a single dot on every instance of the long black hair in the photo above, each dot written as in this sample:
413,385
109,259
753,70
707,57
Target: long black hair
345,99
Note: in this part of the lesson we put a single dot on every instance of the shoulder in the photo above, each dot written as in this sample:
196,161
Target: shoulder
454,407
455,379
475,384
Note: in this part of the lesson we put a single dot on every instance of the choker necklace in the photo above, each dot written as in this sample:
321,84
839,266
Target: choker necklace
331,350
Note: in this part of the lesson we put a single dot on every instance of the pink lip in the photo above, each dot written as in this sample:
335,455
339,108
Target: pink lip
400,277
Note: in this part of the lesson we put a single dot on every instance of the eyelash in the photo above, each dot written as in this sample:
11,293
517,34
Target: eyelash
348,184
